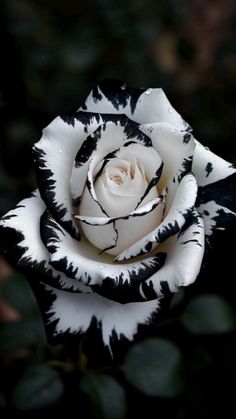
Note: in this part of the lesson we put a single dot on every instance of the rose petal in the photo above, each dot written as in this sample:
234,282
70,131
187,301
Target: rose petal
104,238
101,221
54,157
129,228
120,199
175,272
153,168
208,167
151,161
217,196
68,314
179,212
105,140
20,238
140,105
217,219
183,262
113,239
106,137
79,260
176,150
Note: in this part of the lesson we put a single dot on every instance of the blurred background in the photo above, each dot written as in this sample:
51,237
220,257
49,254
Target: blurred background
52,53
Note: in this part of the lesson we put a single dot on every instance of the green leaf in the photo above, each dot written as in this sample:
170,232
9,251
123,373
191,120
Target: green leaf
40,386
17,292
155,368
106,395
209,314
22,334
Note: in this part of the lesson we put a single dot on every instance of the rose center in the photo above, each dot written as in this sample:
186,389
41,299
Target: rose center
115,174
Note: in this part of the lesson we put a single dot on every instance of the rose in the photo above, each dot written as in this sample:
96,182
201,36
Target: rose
126,200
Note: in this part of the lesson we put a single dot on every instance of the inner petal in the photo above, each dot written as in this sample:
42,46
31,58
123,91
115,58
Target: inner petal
119,173
120,186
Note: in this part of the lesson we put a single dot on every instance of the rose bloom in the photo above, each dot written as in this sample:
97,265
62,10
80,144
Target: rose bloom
126,206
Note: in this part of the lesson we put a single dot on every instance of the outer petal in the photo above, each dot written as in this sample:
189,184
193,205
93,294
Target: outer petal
20,239
208,167
54,157
54,160
67,314
80,261
217,219
217,194
140,105
183,262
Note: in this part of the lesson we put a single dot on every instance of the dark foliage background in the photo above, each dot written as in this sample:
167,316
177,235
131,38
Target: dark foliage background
52,53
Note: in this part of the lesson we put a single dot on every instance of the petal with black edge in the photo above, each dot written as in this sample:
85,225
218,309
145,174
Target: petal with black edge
208,167
141,105
67,314
183,261
80,261
176,152
175,219
217,219
54,157
101,221
130,228
22,244
216,199
103,143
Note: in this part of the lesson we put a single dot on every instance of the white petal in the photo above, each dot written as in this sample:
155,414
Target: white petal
103,144
100,198
183,262
176,150
101,221
119,199
103,237
180,210
79,260
129,228
140,105
208,167
148,156
54,155
20,232
74,314
132,230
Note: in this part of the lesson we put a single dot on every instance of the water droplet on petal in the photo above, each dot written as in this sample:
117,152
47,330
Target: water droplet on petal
174,130
207,148
123,87
148,91
170,110
60,151
101,266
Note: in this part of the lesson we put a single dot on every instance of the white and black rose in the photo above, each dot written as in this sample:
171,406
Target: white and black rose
127,204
